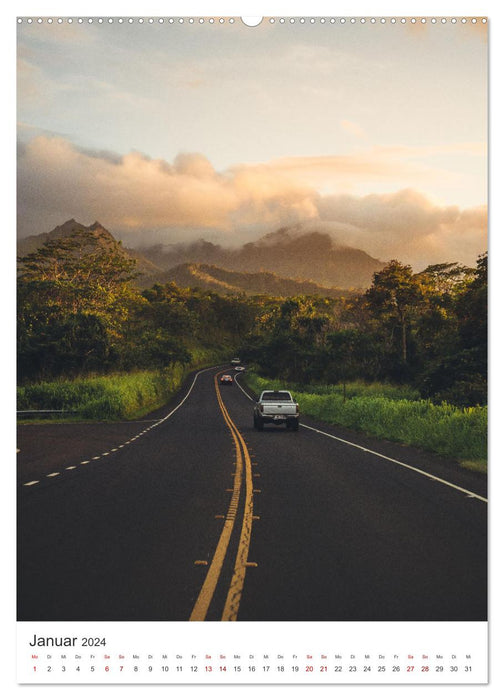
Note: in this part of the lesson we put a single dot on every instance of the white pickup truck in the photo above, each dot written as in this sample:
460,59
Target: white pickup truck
276,407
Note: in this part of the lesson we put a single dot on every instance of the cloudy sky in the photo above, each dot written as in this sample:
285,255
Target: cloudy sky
166,132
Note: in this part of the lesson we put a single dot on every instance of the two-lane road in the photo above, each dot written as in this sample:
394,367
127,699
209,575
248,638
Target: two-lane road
190,514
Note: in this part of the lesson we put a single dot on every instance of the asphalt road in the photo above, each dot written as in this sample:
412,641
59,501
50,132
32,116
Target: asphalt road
192,514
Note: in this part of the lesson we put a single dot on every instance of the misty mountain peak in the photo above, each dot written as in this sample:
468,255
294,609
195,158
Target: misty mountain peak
293,253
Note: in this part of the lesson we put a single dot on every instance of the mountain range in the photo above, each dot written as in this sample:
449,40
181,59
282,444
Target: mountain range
310,256
282,263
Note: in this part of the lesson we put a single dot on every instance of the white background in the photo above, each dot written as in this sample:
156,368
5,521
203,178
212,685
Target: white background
238,8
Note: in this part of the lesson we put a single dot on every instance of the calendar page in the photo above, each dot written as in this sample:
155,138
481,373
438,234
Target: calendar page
252,348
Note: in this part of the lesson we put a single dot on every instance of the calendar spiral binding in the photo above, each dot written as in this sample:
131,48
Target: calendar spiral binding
238,20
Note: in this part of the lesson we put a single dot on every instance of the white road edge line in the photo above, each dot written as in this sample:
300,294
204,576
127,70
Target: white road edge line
402,464
378,454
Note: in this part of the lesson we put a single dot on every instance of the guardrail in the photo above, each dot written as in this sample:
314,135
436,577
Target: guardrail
45,410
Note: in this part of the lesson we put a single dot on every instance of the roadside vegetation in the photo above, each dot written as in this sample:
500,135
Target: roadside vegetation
110,397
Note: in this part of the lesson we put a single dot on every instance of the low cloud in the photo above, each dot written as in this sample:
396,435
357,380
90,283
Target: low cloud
144,200
407,225
134,194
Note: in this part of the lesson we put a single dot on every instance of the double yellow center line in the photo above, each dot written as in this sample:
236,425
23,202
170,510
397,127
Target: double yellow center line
243,473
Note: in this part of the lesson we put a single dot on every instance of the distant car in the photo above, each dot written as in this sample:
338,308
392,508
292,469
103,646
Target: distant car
239,368
226,379
235,361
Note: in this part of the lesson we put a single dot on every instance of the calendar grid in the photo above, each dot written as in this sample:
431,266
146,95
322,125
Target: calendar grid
336,653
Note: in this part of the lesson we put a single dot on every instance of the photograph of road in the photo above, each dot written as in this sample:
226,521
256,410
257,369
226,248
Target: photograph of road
252,320
298,526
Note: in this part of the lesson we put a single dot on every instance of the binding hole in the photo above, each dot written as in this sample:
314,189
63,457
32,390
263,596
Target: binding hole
251,21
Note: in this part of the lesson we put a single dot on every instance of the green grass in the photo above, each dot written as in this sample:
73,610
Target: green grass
475,465
111,397
104,398
360,388
383,412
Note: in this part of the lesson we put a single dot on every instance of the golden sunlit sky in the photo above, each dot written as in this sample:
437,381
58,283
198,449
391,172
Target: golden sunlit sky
164,132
